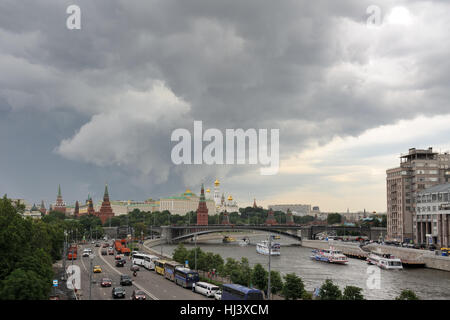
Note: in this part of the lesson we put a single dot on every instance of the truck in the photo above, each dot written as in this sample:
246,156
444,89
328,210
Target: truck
121,247
72,252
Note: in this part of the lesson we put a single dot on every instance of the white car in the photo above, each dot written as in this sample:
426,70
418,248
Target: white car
218,295
205,288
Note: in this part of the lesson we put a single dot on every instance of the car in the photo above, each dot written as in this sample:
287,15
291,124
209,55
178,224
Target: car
118,292
125,280
138,295
118,257
86,253
97,269
97,244
106,282
218,295
105,245
134,268
120,263
92,242
104,252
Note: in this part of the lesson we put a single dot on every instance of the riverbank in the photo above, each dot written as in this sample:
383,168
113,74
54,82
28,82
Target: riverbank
409,257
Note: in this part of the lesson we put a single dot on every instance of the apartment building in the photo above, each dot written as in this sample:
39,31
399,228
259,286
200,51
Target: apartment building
419,169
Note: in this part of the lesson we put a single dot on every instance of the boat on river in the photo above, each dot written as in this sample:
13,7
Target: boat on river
228,239
384,261
263,248
330,255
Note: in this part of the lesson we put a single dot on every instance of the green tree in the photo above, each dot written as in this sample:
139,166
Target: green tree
352,293
180,254
293,288
276,282
24,285
259,277
407,295
334,218
329,291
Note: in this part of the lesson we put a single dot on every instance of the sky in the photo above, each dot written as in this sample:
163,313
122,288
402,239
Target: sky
349,91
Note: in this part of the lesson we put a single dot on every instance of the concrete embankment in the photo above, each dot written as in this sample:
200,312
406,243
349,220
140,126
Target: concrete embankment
409,257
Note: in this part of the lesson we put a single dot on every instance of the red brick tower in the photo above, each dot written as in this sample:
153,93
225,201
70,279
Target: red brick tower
202,210
270,218
90,204
254,204
289,218
76,213
106,211
60,205
226,218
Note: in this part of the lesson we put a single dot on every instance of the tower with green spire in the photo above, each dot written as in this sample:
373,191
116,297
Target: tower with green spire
60,205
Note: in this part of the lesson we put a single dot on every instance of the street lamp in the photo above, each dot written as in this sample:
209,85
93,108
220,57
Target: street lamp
195,252
270,254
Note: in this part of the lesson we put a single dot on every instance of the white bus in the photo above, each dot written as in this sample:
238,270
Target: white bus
149,261
138,259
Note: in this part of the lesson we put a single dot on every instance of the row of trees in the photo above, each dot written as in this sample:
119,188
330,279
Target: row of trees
28,249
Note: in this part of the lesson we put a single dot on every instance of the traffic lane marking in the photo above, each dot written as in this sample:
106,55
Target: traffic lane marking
136,284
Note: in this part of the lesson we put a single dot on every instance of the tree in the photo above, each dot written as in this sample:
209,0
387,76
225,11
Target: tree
24,285
407,295
259,277
352,293
276,282
334,218
329,291
293,287
180,254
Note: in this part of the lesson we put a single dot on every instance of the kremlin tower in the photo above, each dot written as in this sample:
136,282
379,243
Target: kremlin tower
106,212
254,204
270,218
42,208
60,205
90,204
76,213
289,218
202,210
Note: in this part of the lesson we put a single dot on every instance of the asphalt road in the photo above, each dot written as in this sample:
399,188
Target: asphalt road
154,285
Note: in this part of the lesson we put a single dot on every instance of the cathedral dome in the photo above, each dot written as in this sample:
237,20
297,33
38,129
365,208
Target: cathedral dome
230,197
216,182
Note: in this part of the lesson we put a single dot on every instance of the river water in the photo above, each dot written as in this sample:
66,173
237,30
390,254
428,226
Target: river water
426,283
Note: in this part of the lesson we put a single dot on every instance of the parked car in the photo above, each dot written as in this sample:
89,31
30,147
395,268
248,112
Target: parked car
125,280
106,282
205,288
218,295
118,292
138,295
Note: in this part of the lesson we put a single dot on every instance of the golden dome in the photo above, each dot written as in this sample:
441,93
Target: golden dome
207,190
230,197
216,182
188,191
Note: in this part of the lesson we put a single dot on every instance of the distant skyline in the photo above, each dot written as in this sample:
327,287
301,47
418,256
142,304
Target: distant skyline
82,108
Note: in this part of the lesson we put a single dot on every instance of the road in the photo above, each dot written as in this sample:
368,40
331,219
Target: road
154,285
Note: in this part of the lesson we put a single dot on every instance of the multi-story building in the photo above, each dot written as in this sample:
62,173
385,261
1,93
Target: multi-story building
418,170
432,218
296,209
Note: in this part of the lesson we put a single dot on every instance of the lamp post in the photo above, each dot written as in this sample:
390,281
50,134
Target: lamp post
270,254
195,252
91,258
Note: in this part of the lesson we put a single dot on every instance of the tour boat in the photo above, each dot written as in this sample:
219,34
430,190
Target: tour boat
227,239
384,261
329,255
263,248
244,242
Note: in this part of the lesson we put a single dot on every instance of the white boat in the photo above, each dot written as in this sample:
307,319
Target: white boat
384,261
329,255
244,242
263,248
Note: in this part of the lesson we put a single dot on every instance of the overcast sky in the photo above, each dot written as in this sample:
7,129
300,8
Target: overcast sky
82,108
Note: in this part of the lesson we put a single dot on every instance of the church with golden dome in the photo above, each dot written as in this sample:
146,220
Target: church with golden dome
185,202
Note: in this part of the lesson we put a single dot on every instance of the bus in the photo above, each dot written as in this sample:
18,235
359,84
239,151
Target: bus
149,261
238,292
159,266
169,269
186,277
139,259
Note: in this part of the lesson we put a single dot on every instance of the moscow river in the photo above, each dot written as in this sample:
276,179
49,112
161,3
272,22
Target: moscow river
426,283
